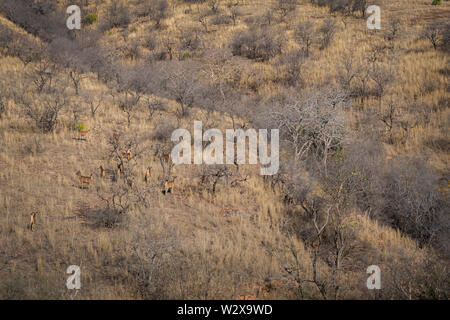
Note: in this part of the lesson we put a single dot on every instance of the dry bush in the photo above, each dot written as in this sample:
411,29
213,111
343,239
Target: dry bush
284,8
305,34
157,10
45,110
43,18
349,193
312,125
163,132
345,7
328,31
257,43
180,83
411,202
3,104
291,67
435,33
116,14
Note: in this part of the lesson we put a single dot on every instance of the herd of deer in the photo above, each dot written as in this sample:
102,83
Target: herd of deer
168,184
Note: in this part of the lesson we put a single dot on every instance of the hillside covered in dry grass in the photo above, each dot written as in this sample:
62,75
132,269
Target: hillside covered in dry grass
364,149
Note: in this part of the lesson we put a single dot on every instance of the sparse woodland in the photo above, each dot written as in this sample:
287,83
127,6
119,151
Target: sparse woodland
364,149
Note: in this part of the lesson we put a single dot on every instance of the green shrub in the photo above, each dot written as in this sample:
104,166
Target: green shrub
437,2
81,127
186,55
90,18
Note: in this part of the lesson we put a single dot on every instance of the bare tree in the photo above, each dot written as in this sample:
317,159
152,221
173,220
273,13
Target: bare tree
44,110
2,106
131,50
128,101
189,38
328,31
390,118
361,6
284,7
159,11
150,257
376,53
382,75
214,5
154,105
393,30
25,50
76,76
42,74
170,46
312,125
410,201
318,221
348,71
95,101
118,203
258,43
434,33
291,67
203,19
116,15
212,175
267,18
322,223
181,85
70,56
132,84
362,83
305,34
234,14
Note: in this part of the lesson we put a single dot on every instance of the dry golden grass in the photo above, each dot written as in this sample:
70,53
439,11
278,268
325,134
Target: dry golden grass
225,245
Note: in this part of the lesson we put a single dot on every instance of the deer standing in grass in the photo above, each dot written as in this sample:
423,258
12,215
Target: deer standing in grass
127,154
84,179
130,183
82,134
102,172
32,220
169,185
119,170
148,175
166,157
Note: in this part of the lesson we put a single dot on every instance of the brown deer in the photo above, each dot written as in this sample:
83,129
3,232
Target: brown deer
82,134
84,179
169,185
102,172
166,157
119,170
130,183
148,175
381,240
127,154
32,220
